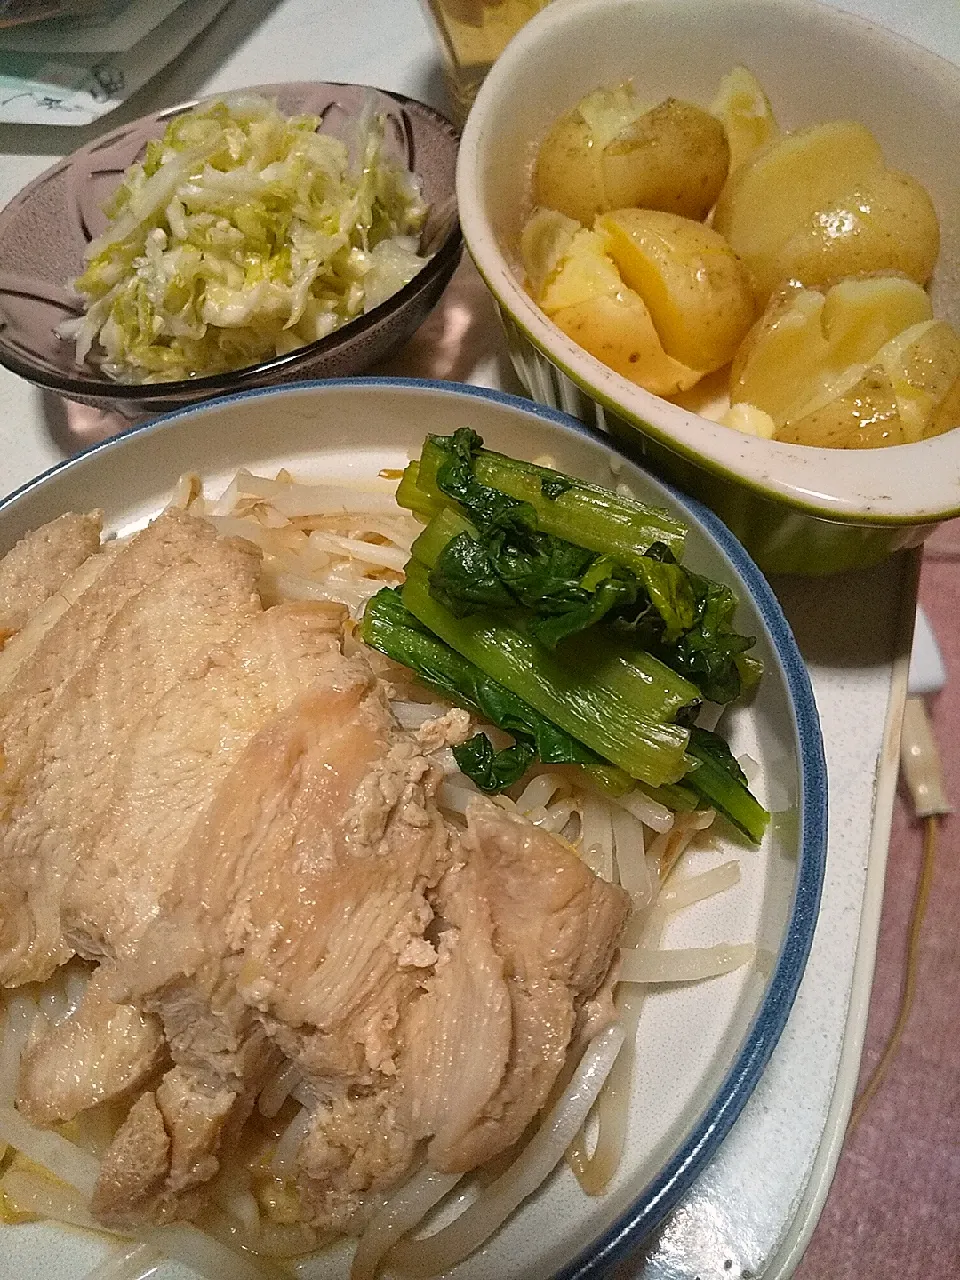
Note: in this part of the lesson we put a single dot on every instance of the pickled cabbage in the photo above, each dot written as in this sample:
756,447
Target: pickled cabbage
240,236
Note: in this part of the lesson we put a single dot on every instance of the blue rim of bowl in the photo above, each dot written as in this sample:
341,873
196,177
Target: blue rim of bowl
438,268
676,1177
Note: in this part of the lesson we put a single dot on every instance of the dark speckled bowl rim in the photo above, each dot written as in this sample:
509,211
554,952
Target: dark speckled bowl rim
444,259
679,1173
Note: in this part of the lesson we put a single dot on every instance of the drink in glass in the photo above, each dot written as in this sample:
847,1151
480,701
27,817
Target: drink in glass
472,34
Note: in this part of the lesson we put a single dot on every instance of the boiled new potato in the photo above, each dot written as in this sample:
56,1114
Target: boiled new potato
577,284
617,329
573,270
861,366
884,223
673,158
910,392
790,176
812,225
923,365
612,150
809,344
568,175
745,112
696,290
860,315
819,204
864,416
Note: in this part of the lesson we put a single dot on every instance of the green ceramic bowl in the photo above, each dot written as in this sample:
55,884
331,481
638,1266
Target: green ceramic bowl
796,508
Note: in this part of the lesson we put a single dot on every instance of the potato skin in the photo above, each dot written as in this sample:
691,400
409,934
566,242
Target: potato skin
885,223
568,175
692,281
617,329
819,205
674,158
946,416
930,366
865,417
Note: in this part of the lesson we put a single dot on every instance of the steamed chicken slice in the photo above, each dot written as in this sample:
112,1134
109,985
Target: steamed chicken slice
168,1147
555,926
29,700
175,761
458,1035
179,756
100,1052
528,939
19,647
61,771
255,853
40,563
454,1045
298,906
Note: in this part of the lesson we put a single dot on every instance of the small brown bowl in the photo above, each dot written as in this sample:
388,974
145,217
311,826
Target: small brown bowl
45,230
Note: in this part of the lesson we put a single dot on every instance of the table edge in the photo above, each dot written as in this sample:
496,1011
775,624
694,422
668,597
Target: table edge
792,1247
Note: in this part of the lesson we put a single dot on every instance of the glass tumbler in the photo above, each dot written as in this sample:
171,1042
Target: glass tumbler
472,34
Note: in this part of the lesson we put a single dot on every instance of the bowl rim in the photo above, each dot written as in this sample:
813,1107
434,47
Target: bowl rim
676,1176
866,487
444,259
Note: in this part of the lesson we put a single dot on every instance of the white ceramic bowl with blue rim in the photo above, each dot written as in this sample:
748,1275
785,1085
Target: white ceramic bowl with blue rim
702,1047
796,508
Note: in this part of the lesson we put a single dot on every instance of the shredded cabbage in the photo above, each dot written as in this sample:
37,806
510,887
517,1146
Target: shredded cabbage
241,235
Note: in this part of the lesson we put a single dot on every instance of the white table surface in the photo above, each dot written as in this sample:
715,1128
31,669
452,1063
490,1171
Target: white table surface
752,1211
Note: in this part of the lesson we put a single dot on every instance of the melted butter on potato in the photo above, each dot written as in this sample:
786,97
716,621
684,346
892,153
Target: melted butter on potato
750,420
545,240
860,366
745,112
612,150
820,204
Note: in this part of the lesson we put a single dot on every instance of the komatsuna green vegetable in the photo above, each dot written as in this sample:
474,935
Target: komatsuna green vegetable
491,551
623,711
243,235
571,602
723,784
390,627
587,514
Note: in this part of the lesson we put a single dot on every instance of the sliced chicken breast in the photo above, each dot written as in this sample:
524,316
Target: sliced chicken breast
40,564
